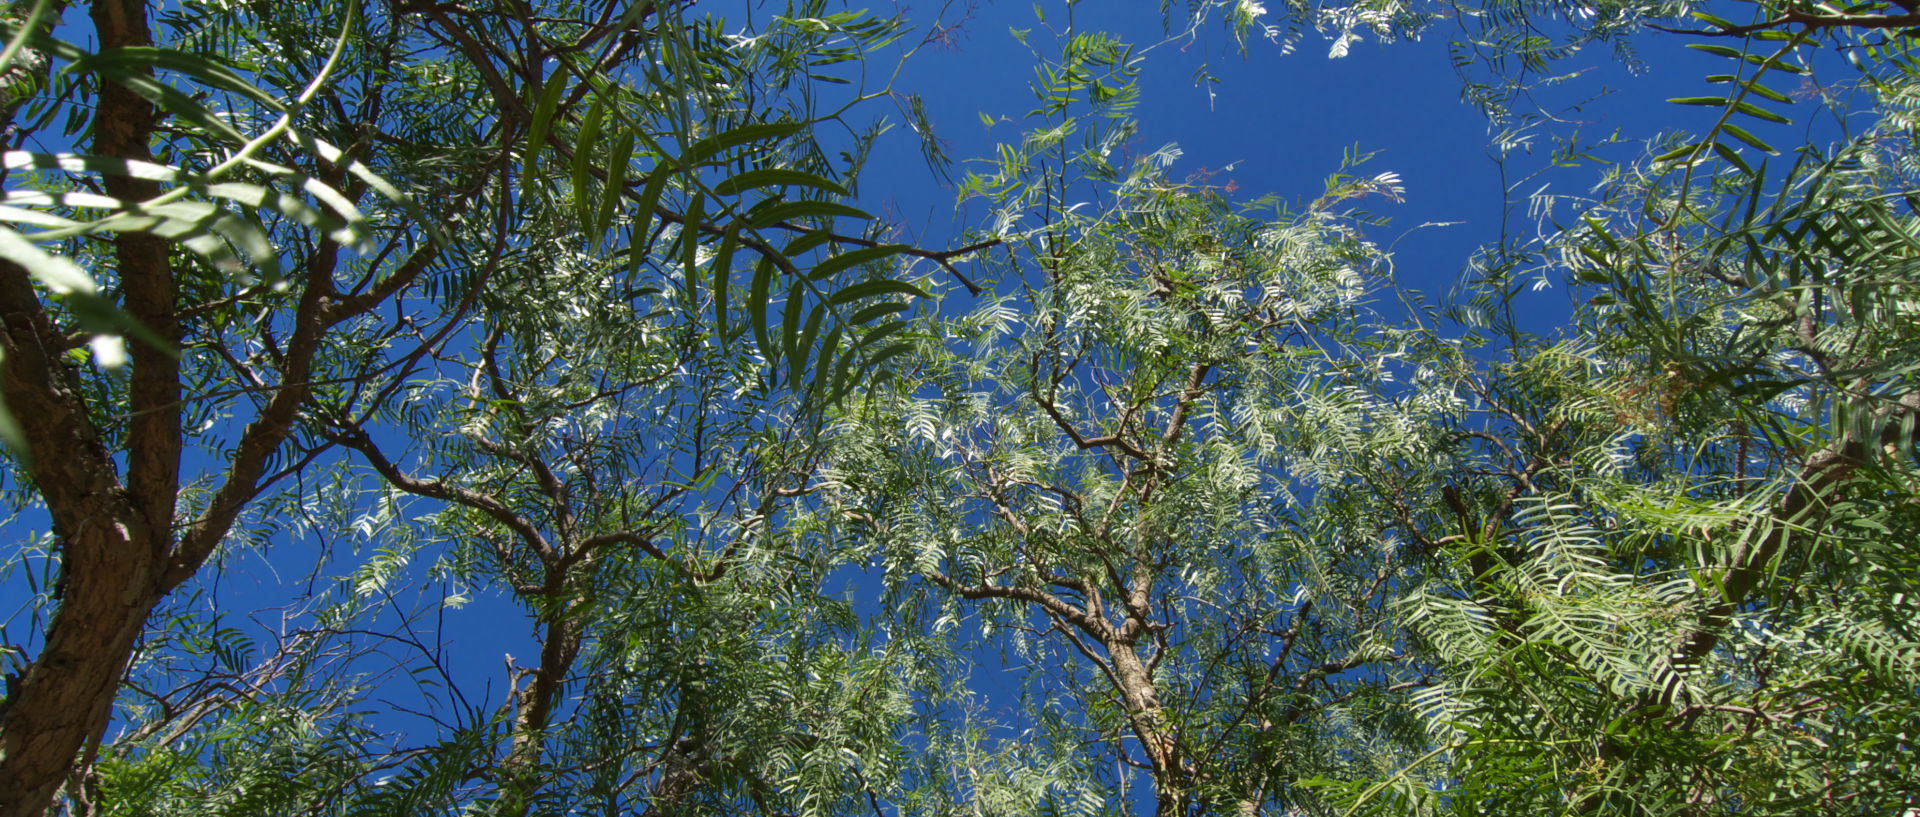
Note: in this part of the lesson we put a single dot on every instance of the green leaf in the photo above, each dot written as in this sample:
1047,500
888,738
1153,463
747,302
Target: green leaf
882,332
880,358
1733,157
619,164
1600,261
1719,50
335,226
1780,63
640,238
878,310
777,177
163,96
1741,134
882,286
1684,151
36,218
824,367
123,62
758,307
690,245
805,243
1599,231
699,152
792,316
1758,112
542,121
352,231
60,275
854,258
373,181
190,222
580,171
1711,20
793,210
1764,91
809,332
723,275
842,376
82,163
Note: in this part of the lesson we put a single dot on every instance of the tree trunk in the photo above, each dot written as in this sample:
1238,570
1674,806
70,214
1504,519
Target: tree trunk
533,709
1144,714
110,560
115,539
66,697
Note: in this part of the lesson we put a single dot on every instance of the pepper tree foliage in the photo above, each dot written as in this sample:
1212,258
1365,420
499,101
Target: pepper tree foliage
1105,461
1339,562
1681,567
1110,464
535,305
563,312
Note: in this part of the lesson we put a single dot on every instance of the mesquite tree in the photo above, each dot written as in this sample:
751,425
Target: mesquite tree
561,318
1107,465
294,223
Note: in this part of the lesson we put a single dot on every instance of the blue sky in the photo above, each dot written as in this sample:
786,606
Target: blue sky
1272,122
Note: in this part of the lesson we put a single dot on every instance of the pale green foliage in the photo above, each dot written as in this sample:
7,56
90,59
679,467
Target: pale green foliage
535,360
1684,572
1175,514
1113,464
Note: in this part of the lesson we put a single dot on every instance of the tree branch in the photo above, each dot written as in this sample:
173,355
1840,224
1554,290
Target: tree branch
358,440
1052,603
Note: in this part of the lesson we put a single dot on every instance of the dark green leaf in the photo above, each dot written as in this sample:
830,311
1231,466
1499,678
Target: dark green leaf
581,169
876,311
824,363
792,210
1758,112
722,276
619,163
699,152
854,258
1741,134
868,289
776,177
1718,50
758,307
1733,157
690,246
541,122
640,238
800,345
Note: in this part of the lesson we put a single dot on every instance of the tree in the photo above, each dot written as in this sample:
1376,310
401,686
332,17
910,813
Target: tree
1111,460
283,301
1682,583
566,313
1653,565
1114,469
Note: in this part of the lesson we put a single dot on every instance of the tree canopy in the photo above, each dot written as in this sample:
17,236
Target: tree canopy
518,408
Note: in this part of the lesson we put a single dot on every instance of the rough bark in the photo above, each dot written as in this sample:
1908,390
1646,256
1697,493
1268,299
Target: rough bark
533,709
683,773
1751,561
114,537
107,575
1171,773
